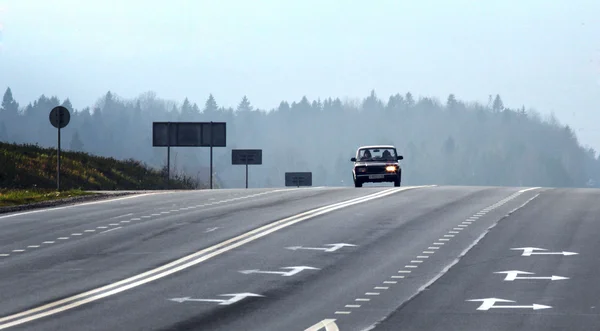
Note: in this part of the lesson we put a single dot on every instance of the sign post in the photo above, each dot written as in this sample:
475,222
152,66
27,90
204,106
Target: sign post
59,118
246,157
189,134
298,179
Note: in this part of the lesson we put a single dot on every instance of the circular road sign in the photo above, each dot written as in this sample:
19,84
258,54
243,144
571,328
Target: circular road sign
60,117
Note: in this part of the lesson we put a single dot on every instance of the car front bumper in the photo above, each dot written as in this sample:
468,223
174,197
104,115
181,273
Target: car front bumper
377,178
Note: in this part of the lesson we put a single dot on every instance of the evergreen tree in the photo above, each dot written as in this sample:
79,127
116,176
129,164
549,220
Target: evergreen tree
211,107
76,143
498,105
244,105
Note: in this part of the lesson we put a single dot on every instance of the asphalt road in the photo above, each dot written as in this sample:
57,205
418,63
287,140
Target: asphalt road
409,258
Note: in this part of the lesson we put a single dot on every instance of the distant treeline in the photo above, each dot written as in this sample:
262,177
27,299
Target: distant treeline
454,142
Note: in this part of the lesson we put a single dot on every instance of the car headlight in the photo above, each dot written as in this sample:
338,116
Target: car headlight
361,169
390,168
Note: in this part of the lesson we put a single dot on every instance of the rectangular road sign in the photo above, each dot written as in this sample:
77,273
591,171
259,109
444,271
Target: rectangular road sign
298,179
246,156
189,134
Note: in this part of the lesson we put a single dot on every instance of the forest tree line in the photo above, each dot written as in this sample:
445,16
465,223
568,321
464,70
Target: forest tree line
445,143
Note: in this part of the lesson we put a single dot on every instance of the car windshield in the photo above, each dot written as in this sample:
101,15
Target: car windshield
377,154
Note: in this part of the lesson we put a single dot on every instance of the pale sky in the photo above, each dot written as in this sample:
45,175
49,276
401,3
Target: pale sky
543,54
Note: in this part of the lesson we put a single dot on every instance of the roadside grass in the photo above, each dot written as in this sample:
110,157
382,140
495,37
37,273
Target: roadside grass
15,197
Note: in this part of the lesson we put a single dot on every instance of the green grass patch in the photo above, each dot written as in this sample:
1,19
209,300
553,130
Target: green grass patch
21,197
25,167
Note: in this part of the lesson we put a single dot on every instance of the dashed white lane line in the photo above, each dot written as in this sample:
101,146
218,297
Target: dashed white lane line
404,271
155,215
113,224
462,226
433,248
455,232
429,252
458,229
352,306
444,239
124,221
410,266
63,238
33,246
18,250
165,212
448,235
89,231
422,257
113,229
4,255
362,299
102,227
372,293
173,210
112,218
390,282
48,242
416,261
342,313
381,288
397,277
136,219
76,234
146,216
439,244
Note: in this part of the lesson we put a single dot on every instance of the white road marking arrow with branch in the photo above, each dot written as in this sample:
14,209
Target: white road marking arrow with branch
332,248
327,325
529,251
293,271
235,298
512,275
488,303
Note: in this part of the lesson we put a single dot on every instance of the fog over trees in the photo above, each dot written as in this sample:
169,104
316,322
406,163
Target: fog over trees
449,142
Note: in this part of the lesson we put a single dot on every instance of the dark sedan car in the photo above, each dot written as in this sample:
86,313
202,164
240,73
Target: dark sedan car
376,164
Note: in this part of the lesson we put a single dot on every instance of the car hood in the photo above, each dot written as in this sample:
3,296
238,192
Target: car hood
375,164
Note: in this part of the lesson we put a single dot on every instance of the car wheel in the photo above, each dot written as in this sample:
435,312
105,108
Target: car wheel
357,183
397,182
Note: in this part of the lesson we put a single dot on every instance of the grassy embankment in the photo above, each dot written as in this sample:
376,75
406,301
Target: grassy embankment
28,174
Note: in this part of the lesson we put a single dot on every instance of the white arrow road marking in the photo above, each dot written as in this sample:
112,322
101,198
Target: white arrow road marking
293,271
327,325
528,251
511,275
235,298
488,303
333,248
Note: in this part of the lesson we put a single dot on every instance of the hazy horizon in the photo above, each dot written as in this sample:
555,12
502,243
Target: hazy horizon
543,55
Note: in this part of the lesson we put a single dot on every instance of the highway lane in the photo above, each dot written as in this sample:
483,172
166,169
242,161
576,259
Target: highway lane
400,242
131,236
557,221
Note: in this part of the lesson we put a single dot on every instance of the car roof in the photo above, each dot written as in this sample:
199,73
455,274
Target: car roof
377,146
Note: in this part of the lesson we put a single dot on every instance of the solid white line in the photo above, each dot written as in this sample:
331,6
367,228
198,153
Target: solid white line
362,299
184,262
111,230
352,306
77,205
33,246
